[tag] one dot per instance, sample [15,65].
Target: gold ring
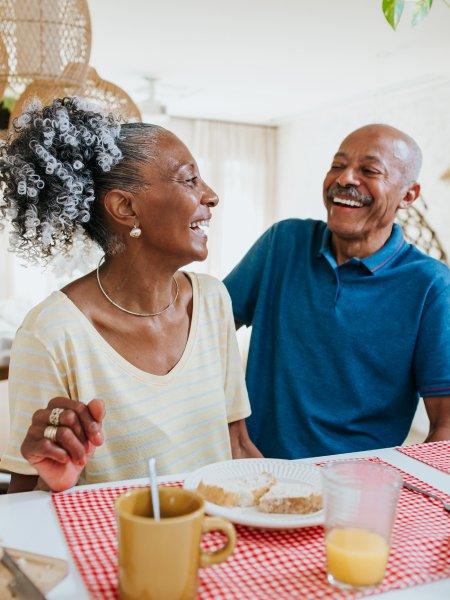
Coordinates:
[54,416]
[50,432]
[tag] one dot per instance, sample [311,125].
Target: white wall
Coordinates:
[307,143]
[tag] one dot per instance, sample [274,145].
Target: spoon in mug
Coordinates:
[154,488]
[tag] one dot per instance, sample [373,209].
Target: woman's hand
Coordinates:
[60,462]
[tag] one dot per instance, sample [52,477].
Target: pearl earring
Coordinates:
[136,231]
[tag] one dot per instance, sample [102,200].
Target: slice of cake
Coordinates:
[291,498]
[243,491]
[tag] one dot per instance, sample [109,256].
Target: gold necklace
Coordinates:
[130,312]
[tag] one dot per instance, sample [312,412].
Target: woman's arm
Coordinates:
[241,444]
[22,483]
[30,454]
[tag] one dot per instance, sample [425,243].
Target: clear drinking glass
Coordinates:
[360,500]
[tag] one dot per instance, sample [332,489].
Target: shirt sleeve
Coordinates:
[237,402]
[243,283]
[34,378]
[432,353]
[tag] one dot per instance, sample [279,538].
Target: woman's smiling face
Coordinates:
[174,205]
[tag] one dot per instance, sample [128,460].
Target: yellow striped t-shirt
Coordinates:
[180,418]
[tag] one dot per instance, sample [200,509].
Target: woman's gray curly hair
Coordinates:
[60,160]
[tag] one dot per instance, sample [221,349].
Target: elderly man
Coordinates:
[351,324]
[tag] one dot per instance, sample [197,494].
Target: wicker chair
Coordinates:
[418,232]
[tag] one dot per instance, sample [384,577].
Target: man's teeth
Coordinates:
[203,225]
[347,202]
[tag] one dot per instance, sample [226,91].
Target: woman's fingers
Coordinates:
[34,452]
[91,427]
[78,431]
[67,418]
[60,460]
[65,438]
[97,409]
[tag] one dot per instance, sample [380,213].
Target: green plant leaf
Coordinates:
[421,9]
[8,102]
[393,10]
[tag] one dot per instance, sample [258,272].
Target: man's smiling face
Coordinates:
[368,181]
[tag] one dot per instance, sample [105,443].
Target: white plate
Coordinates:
[285,471]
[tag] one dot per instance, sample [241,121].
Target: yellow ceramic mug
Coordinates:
[160,560]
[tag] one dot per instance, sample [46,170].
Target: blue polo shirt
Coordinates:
[339,354]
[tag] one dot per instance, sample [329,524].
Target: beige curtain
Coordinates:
[238,162]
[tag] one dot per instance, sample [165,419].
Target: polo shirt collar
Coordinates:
[375,261]
[325,248]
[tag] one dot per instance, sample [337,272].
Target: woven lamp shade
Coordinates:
[41,37]
[3,61]
[109,97]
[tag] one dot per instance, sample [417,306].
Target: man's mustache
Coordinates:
[348,192]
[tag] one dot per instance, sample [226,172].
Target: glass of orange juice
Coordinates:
[360,500]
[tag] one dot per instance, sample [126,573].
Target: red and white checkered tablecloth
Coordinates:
[266,564]
[434,454]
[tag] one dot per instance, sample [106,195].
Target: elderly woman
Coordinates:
[139,359]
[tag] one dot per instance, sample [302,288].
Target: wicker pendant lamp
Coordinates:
[108,96]
[3,62]
[41,37]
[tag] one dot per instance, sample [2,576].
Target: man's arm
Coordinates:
[432,357]
[243,283]
[438,410]
[241,444]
